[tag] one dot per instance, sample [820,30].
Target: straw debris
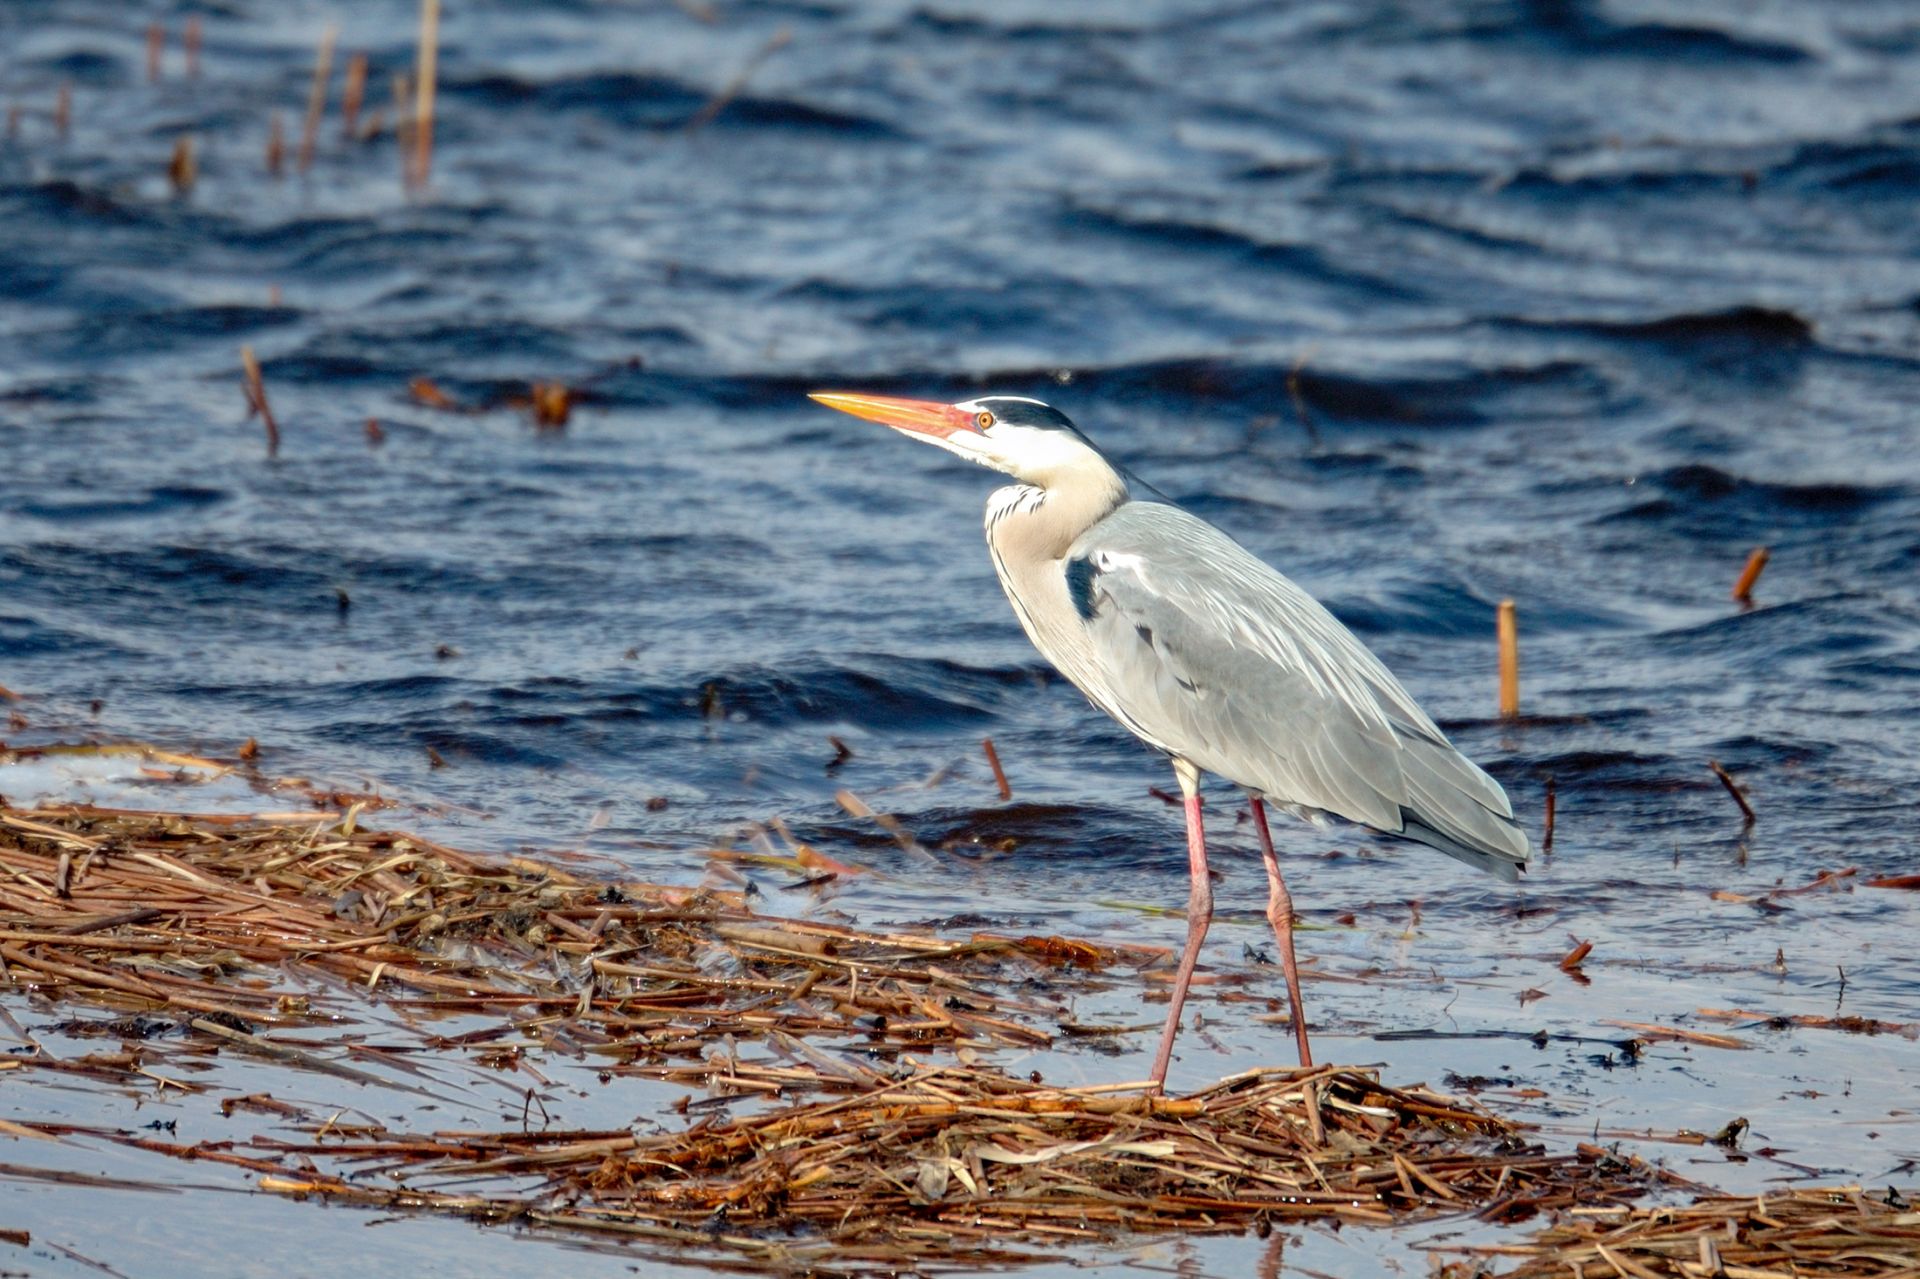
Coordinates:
[1839,1232]
[862,1128]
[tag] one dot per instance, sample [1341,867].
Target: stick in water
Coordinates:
[1743,589]
[352,95]
[257,399]
[1508,629]
[183,170]
[424,75]
[317,96]
[719,101]
[1733,789]
[999,774]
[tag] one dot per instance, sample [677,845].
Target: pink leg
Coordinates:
[1199,915]
[1280,915]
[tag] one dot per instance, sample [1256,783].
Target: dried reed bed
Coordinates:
[961,1165]
[1829,1233]
[207,914]
[849,1121]
[214,920]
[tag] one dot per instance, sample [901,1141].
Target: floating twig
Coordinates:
[156,44]
[317,96]
[858,807]
[1756,561]
[1676,1034]
[352,94]
[190,43]
[1733,789]
[256,388]
[183,169]
[999,774]
[721,100]
[427,393]
[63,111]
[1507,629]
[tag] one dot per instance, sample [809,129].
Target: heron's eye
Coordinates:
[983,419]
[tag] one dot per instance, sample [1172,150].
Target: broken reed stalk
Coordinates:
[1750,575]
[999,773]
[1507,628]
[156,44]
[276,145]
[1733,789]
[352,94]
[63,111]
[719,101]
[317,96]
[190,42]
[552,404]
[426,70]
[256,389]
[183,169]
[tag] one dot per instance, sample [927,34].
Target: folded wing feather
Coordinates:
[1208,653]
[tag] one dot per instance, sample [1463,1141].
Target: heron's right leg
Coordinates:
[1199,914]
[1280,915]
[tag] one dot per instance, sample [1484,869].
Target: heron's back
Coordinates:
[1201,649]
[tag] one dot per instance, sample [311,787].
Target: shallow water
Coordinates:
[1429,306]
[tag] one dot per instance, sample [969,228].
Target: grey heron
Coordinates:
[1204,652]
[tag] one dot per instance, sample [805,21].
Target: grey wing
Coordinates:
[1205,651]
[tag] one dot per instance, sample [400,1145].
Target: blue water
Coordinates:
[1430,305]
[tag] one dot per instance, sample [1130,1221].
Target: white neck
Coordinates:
[1034,523]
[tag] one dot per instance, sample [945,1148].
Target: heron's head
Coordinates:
[1031,441]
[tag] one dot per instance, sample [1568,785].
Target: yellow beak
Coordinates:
[915,417]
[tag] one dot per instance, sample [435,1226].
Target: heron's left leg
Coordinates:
[1280,915]
[1199,914]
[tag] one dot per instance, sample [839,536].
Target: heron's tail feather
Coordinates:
[1455,807]
[1506,865]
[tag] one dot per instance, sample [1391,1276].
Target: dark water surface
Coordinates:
[1429,305]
